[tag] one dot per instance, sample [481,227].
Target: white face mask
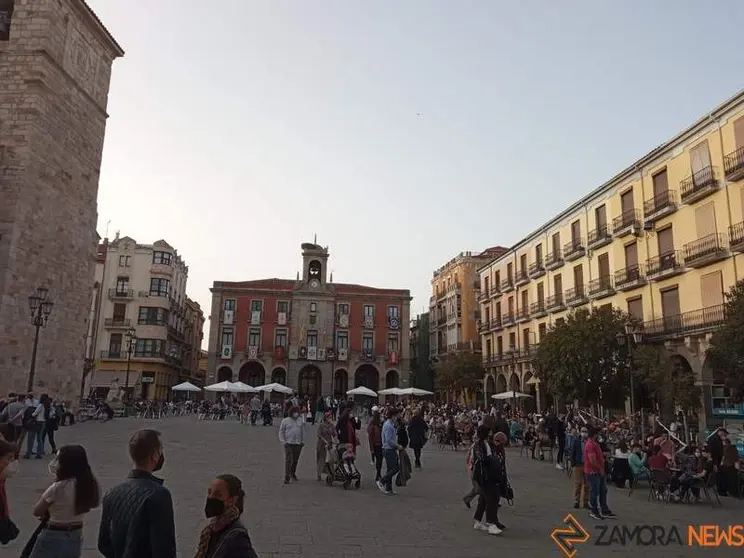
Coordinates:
[53,467]
[295,415]
[11,469]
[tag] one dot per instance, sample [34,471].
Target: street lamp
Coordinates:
[633,336]
[131,339]
[40,309]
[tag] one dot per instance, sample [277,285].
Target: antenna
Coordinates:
[107,227]
[315,239]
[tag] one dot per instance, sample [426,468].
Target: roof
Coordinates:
[623,175]
[275,283]
[102,28]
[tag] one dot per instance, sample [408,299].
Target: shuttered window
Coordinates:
[576,230]
[631,255]
[670,302]
[603,263]
[705,220]
[666,241]
[578,274]
[699,157]
[739,132]
[635,307]
[711,289]
[540,292]
[600,217]
[626,201]
[661,183]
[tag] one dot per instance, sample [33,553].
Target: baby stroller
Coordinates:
[343,469]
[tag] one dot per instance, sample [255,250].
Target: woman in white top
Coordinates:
[65,503]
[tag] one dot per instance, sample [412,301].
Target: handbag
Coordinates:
[8,529]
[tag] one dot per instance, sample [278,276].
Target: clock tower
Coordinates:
[314,265]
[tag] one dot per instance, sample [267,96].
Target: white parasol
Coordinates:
[240,387]
[416,392]
[222,386]
[186,386]
[361,390]
[279,388]
[510,395]
[391,391]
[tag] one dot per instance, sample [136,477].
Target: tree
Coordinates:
[666,379]
[726,352]
[460,373]
[581,358]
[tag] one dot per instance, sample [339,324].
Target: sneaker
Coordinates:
[381,487]
[500,526]
[559,466]
[494,530]
[480,526]
[609,515]
[597,516]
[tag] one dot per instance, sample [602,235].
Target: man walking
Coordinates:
[390,449]
[291,435]
[255,408]
[578,480]
[594,467]
[137,516]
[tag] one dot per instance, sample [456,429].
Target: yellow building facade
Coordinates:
[662,240]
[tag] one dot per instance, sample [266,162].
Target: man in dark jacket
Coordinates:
[137,516]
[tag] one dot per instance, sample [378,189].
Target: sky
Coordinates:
[399,132]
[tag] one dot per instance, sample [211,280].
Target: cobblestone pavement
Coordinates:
[308,519]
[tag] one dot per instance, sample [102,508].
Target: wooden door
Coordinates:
[711,289]
[600,218]
[635,307]
[540,293]
[558,287]
[556,243]
[626,202]
[661,185]
[578,274]
[665,239]
[631,255]
[670,309]
[538,253]
[575,231]
[603,265]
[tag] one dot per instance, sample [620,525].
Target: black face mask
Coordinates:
[214,507]
[160,462]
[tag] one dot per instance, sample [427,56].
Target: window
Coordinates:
[392,342]
[125,261]
[149,348]
[280,338]
[512,341]
[122,285]
[120,312]
[393,312]
[368,341]
[312,338]
[115,345]
[282,306]
[313,319]
[313,307]
[159,287]
[230,304]
[163,258]
[369,310]
[254,337]
[499,346]
[542,331]
[256,305]
[635,307]
[152,316]
[227,337]
[342,340]
[343,308]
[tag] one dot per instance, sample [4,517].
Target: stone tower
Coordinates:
[55,68]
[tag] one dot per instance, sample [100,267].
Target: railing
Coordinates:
[484,295]
[736,234]
[665,262]
[696,182]
[523,313]
[599,234]
[626,219]
[629,275]
[110,355]
[536,268]
[686,323]
[521,276]
[121,293]
[570,248]
[554,257]
[707,246]
[600,285]
[733,163]
[507,318]
[483,327]
[495,322]
[442,320]
[175,333]
[576,294]
[537,307]
[659,202]
[117,322]
[554,301]
[507,284]
[472,346]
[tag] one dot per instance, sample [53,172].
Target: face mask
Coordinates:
[214,507]
[160,463]
[295,415]
[11,469]
[585,435]
[53,467]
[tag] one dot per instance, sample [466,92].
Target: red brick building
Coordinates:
[313,335]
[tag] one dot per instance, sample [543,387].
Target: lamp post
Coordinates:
[40,309]
[131,339]
[633,336]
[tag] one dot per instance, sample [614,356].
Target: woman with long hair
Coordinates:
[488,467]
[64,504]
[225,536]
[374,435]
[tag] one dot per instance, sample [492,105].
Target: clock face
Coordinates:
[315,283]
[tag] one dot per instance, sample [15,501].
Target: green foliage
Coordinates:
[726,352]
[666,378]
[460,373]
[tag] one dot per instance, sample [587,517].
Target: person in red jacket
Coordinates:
[594,469]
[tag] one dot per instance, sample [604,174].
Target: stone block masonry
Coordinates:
[54,80]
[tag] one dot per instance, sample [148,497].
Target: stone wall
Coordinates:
[54,80]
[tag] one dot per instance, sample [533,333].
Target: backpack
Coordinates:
[29,422]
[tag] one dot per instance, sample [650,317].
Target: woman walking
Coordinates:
[487,474]
[417,430]
[64,505]
[324,444]
[374,435]
[225,536]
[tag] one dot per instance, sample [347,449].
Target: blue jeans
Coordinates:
[58,544]
[598,493]
[391,467]
[33,439]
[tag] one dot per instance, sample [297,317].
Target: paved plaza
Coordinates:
[308,519]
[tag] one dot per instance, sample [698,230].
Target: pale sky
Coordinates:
[400,132]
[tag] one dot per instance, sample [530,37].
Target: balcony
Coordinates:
[484,295]
[173,332]
[523,315]
[576,296]
[666,265]
[442,320]
[507,319]
[599,237]
[554,260]
[736,237]
[629,221]
[496,324]
[507,285]
[601,287]
[538,309]
[705,251]
[699,185]
[121,294]
[441,295]
[114,355]
[660,205]
[537,269]
[733,165]
[630,278]
[522,278]
[687,323]
[483,327]
[555,303]
[117,323]
[496,291]
[574,250]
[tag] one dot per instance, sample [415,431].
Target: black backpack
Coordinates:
[29,422]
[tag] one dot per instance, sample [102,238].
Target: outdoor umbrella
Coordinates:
[361,390]
[222,386]
[186,386]
[509,395]
[279,388]
[416,392]
[391,391]
[240,387]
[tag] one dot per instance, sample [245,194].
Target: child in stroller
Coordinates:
[343,469]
